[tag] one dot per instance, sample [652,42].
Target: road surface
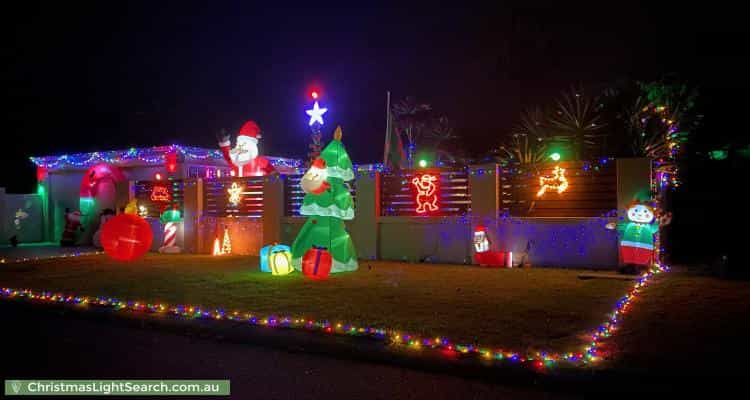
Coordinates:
[49,345]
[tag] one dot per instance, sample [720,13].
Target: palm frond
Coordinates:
[577,122]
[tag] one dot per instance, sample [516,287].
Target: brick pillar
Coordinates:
[273,208]
[364,227]
[193,209]
[485,203]
[483,186]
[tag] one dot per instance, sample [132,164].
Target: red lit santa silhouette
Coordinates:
[426,193]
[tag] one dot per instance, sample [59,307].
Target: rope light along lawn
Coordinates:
[538,360]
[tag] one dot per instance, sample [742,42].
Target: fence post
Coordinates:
[484,190]
[364,228]
[273,208]
[192,207]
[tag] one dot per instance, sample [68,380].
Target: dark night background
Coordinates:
[84,76]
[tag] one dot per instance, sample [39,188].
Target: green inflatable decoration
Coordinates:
[328,203]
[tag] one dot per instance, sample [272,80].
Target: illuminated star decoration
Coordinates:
[557,182]
[316,114]
[234,193]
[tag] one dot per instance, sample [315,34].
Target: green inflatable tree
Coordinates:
[328,203]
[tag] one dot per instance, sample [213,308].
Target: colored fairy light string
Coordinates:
[537,360]
[147,155]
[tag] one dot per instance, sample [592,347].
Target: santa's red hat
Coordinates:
[480,228]
[319,163]
[251,130]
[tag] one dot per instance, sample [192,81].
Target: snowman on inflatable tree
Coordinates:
[327,203]
[244,158]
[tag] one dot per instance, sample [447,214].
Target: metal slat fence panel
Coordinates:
[159,196]
[233,197]
[401,197]
[591,190]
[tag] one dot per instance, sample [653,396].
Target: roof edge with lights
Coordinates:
[144,157]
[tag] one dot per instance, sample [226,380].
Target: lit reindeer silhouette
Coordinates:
[426,189]
[556,182]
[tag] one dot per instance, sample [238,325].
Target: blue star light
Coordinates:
[316,114]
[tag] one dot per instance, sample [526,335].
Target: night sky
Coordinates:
[108,75]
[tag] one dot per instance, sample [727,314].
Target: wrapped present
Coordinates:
[267,251]
[280,261]
[316,263]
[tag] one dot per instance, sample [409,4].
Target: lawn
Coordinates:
[685,324]
[514,309]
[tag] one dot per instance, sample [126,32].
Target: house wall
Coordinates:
[30,228]
[63,190]
[559,242]
[572,242]
[425,239]
[246,234]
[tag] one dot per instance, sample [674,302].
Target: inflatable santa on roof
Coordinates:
[244,157]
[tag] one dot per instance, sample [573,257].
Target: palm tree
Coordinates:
[441,131]
[529,138]
[653,119]
[576,122]
[410,120]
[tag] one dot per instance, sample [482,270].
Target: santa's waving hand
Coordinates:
[243,158]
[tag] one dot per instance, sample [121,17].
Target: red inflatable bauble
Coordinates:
[126,237]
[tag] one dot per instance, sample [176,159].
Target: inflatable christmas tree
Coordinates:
[327,204]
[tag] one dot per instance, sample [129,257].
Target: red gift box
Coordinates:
[316,263]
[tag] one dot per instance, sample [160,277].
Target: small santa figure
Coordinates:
[481,242]
[244,157]
[72,225]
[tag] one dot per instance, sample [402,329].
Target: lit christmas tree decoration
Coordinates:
[327,203]
[226,243]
